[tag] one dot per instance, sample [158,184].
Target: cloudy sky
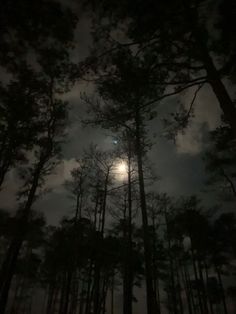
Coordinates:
[179,165]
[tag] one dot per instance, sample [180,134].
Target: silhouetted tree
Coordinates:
[172,37]
[49,123]
[219,161]
[121,108]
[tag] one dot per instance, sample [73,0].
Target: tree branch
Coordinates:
[229,181]
[193,100]
[177,91]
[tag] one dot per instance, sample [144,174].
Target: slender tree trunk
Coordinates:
[81,302]
[74,296]
[197,283]
[104,202]
[155,271]
[77,206]
[128,276]
[112,294]
[8,271]
[146,238]
[125,260]
[181,307]
[63,292]
[30,302]
[209,297]
[67,291]
[51,292]
[186,287]
[9,264]
[204,295]
[88,293]
[16,293]
[222,291]
[100,234]
[4,168]
[194,307]
[55,300]
[104,296]
[171,266]
[129,290]
[6,151]
[96,288]
[22,296]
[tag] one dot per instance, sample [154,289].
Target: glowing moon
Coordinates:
[121,170]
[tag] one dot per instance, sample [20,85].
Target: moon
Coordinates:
[122,167]
[121,170]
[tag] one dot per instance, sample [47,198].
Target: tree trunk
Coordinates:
[9,264]
[226,103]
[81,302]
[179,288]
[74,296]
[18,283]
[197,282]
[51,292]
[128,275]
[104,202]
[204,294]
[55,300]
[209,297]
[171,267]
[213,76]
[112,294]
[155,265]
[100,235]
[63,292]
[67,292]
[186,287]
[222,291]
[8,270]
[97,279]
[194,307]
[88,293]
[151,308]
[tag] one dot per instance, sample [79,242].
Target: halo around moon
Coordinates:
[121,170]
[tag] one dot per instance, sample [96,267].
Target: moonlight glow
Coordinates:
[121,170]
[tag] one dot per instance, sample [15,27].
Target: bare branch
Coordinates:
[177,91]
[193,100]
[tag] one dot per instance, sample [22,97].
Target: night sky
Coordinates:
[179,166]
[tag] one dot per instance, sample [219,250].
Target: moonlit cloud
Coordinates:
[61,173]
[190,142]
[206,117]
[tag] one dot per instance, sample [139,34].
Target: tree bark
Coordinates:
[8,270]
[218,87]
[171,266]
[128,275]
[222,291]
[65,306]
[186,287]
[9,264]
[197,282]
[112,294]
[213,75]
[151,308]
